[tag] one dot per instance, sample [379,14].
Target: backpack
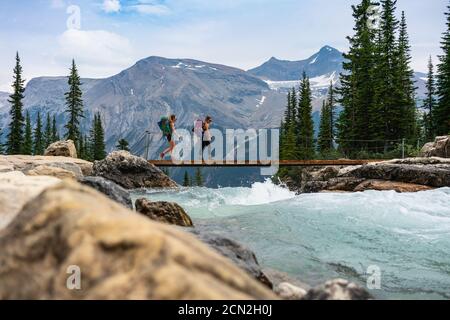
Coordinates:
[164,125]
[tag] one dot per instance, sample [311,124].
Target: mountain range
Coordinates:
[134,100]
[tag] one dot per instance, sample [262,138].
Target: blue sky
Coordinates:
[114,34]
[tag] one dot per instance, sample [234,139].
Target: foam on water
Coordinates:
[316,237]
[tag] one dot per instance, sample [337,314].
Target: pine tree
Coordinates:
[357,92]
[198,178]
[405,93]
[74,105]
[38,137]
[15,136]
[305,121]
[442,114]
[28,138]
[48,132]
[391,112]
[123,144]
[97,139]
[325,134]
[55,134]
[429,104]
[331,105]
[186,181]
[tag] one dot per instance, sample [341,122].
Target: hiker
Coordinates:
[198,137]
[207,138]
[167,126]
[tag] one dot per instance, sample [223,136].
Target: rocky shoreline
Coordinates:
[401,175]
[51,220]
[58,211]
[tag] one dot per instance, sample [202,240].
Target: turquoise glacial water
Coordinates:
[316,237]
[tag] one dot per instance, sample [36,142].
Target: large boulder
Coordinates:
[62,149]
[236,252]
[439,148]
[401,175]
[16,189]
[165,212]
[72,232]
[110,189]
[42,165]
[338,289]
[59,173]
[131,172]
[426,175]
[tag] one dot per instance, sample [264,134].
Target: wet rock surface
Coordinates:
[110,189]
[165,212]
[131,172]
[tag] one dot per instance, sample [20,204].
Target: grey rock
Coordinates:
[416,174]
[166,212]
[131,172]
[110,189]
[338,289]
[236,252]
[439,148]
[288,291]
[62,149]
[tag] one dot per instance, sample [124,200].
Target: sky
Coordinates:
[107,36]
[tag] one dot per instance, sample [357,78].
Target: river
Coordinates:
[316,237]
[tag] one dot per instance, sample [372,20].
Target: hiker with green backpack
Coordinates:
[167,126]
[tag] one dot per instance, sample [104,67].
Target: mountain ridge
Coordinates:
[325,61]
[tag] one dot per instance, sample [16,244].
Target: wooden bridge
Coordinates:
[281,163]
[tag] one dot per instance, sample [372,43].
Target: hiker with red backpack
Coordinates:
[167,126]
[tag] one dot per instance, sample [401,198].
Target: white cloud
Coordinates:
[99,53]
[151,9]
[111,6]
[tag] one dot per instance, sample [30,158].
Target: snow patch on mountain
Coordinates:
[320,82]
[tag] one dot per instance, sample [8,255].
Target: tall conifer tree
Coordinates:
[55,134]
[38,137]
[97,139]
[357,92]
[325,134]
[199,178]
[48,132]
[305,121]
[429,104]
[442,114]
[405,87]
[28,138]
[74,105]
[186,180]
[15,136]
